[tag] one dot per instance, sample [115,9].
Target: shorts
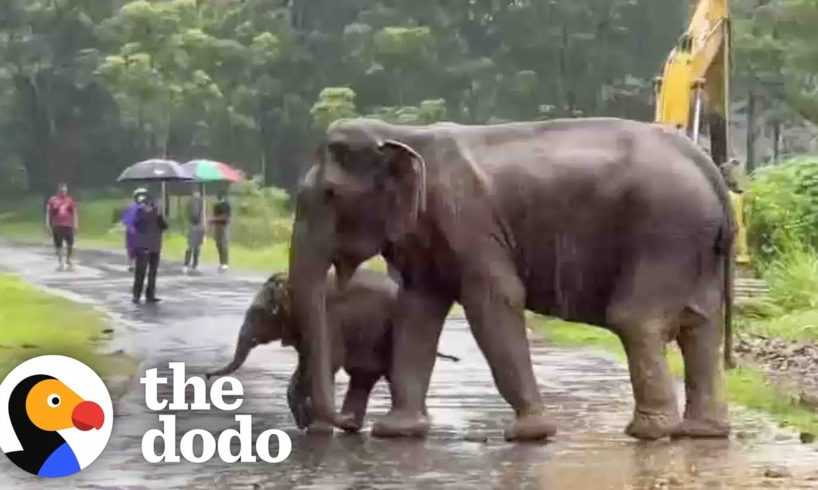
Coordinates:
[63,234]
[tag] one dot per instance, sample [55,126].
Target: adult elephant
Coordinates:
[616,223]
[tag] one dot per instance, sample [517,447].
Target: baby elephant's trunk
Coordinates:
[245,344]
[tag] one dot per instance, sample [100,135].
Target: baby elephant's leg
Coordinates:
[352,414]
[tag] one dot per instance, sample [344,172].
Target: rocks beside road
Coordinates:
[791,364]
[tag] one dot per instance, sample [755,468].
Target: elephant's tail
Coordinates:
[726,248]
[448,357]
[729,273]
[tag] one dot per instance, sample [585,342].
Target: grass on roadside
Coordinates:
[744,386]
[24,221]
[800,326]
[36,323]
[791,310]
[25,218]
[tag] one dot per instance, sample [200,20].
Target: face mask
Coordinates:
[140,199]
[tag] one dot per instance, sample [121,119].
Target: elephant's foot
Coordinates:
[652,426]
[349,422]
[401,424]
[531,427]
[702,429]
[319,427]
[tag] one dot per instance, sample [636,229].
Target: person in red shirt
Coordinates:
[62,218]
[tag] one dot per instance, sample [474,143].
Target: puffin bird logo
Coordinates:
[39,407]
[56,416]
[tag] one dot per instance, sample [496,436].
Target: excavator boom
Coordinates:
[695,79]
[694,89]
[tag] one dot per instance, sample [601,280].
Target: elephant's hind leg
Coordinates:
[705,410]
[353,411]
[656,414]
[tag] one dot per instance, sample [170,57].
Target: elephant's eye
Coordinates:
[338,153]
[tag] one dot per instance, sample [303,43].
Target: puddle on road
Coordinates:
[589,395]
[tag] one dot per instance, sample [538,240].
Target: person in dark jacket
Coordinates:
[149,225]
[221,229]
[128,220]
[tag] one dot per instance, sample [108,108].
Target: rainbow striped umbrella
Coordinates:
[211,171]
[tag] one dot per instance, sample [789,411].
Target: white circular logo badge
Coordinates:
[56,416]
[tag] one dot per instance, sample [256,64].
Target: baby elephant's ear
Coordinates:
[279,295]
[280,303]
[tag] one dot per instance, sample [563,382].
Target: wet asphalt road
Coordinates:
[588,393]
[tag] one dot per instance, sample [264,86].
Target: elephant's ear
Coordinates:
[407,188]
[277,302]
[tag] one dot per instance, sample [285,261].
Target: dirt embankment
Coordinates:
[793,365]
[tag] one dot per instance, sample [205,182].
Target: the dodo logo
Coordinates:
[55,416]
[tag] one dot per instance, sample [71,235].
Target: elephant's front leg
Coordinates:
[416,330]
[656,414]
[494,300]
[351,418]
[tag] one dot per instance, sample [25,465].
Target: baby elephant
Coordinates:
[361,313]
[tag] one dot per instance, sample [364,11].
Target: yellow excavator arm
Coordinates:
[694,88]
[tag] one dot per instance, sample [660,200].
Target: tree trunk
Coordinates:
[751,129]
[36,151]
[563,82]
[776,140]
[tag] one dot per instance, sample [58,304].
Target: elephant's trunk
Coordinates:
[310,258]
[245,343]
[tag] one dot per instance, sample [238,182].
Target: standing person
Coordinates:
[221,229]
[62,218]
[129,221]
[149,225]
[195,232]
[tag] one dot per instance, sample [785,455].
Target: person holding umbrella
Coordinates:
[209,171]
[196,231]
[129,221]
[221,229]
[149,225]
[149,221]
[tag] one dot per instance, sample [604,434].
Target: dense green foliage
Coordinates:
[261,215]
[89,86]
[782,209]
[782,219]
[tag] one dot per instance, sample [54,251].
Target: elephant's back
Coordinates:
[576,201]
[570,166]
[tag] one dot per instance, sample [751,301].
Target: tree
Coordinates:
[333,103]
[93,85]
[48,52]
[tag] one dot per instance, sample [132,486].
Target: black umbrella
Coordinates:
[156,169]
